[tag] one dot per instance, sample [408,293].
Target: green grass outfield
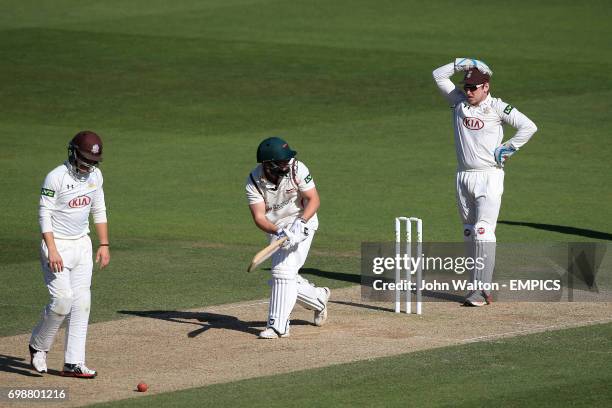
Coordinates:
[563,368]
[182,92]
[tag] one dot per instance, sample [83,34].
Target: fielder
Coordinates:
[481,155]
[284,201]
[69,194]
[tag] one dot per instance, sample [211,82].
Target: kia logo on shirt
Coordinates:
[78,202]
[473,123]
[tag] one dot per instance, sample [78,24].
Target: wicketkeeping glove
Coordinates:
[464,64]
[503,152]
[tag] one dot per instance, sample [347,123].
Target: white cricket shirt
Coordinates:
[479,129]
[284,202]
[66,202]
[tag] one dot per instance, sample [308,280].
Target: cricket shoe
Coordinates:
[270,333]
[38,360]
[320,317]
[474,303]
[78,370]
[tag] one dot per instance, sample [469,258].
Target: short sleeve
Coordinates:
[253,193]
[304,178]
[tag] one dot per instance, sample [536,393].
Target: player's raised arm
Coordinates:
[447,88]
[443,74]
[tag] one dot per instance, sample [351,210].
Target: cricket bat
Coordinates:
[265,253]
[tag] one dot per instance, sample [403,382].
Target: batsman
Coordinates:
[284,201]
[478,120]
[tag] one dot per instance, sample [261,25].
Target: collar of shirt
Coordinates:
[270,185]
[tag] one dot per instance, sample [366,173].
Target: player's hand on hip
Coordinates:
[464,64]
[502,153]
[300,229]
[103,256]
[56,263]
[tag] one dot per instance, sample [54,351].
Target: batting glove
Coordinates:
[464,64]
[299,229]
[503,152]
[292,239]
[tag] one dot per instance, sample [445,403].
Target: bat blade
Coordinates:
[265,253]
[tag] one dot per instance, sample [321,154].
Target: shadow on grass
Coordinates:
[205,320]
[563,229]
[338,276]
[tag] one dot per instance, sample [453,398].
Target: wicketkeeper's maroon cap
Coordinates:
[475,77]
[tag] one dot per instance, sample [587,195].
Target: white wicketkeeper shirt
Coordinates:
[479,129]
[66,202]
[284,203]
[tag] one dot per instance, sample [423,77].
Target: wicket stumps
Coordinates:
[419,269]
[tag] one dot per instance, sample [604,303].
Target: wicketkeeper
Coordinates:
[481,155]
[70,193]
[284,201]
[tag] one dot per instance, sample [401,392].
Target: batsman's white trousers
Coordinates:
[70,297]
[289,287]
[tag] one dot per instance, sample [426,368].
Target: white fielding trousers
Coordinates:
[70,297]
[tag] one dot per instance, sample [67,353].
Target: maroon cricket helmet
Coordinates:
[88,145]
[475,77]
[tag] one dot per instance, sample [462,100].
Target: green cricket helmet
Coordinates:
[274,149]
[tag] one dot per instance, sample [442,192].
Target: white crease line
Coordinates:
[536,330]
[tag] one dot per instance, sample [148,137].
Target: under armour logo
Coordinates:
[69,186]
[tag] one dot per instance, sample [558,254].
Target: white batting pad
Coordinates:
[282,300]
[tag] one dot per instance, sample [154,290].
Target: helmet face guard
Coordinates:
[79,162]
[278,168]
[84,153]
